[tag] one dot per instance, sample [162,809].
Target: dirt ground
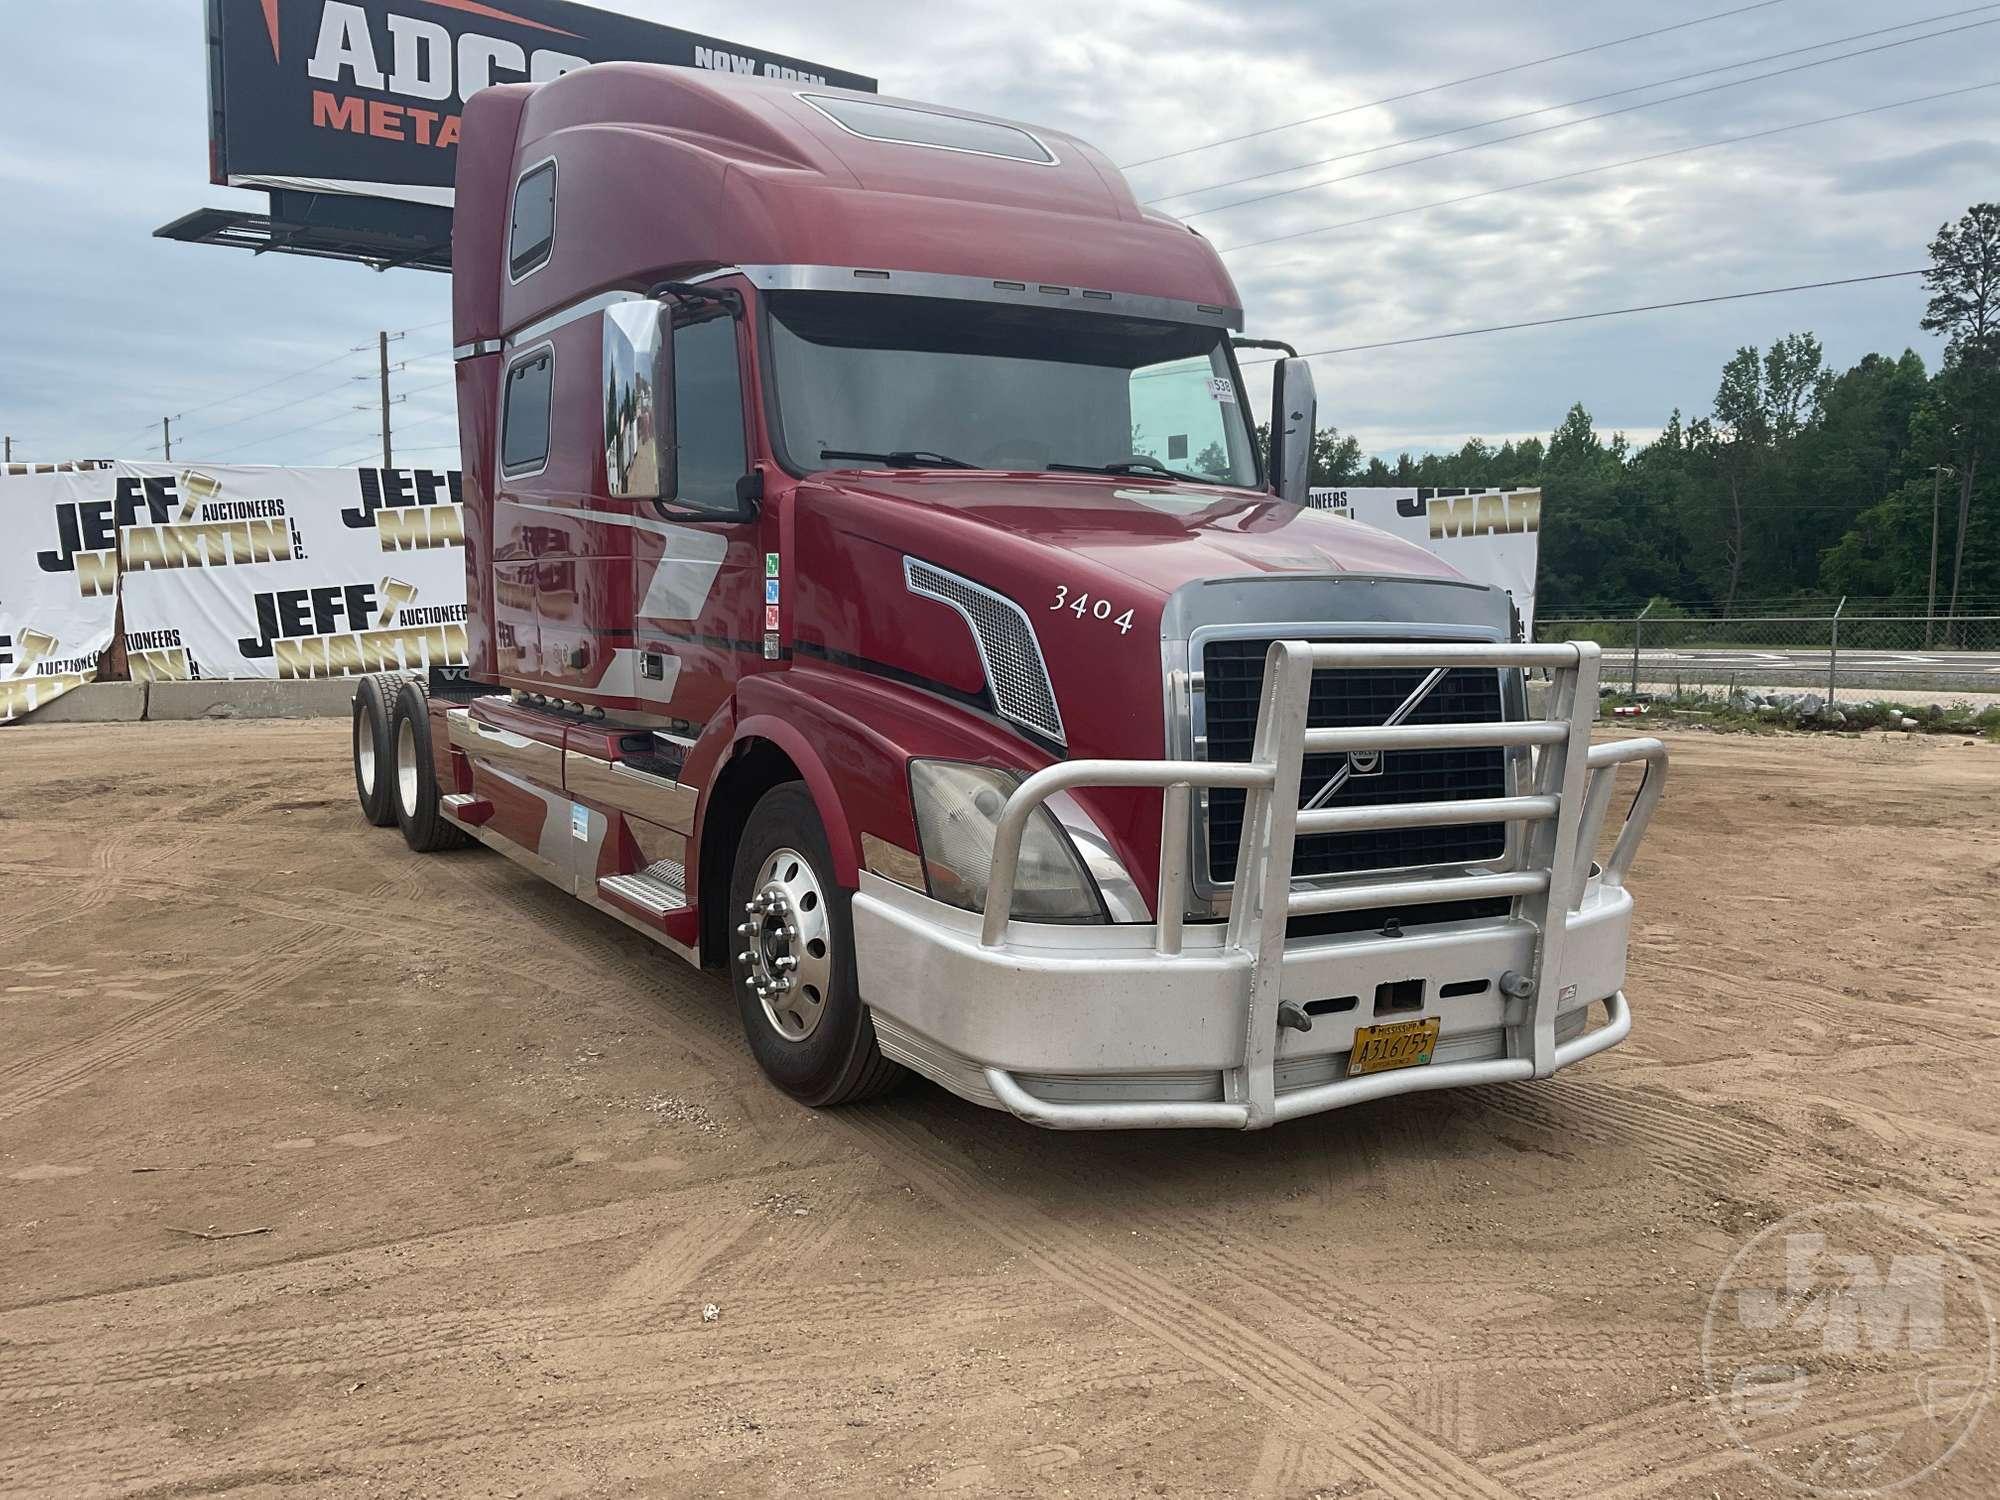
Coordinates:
[507,1154]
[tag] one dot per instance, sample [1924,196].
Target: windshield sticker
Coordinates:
[1222,388]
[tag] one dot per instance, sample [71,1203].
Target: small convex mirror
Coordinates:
[638,402]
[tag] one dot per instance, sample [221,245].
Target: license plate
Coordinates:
[1400,1044]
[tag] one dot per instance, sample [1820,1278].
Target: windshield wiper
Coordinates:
[1130,466]
[901,458]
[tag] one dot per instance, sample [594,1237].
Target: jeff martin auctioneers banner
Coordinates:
[227,571]
[1491,536]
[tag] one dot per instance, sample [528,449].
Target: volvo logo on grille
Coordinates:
[1369,762]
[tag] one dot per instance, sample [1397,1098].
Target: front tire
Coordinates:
[792,959]
[373,756]
[414,782]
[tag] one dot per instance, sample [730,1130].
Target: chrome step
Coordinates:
[660,888]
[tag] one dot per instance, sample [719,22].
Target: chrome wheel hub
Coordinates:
[364,751]
[787,945]
[406,766]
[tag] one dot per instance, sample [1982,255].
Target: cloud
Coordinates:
[108,328]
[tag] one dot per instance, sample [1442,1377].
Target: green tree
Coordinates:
[1964,310]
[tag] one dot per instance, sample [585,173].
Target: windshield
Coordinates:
[918,382]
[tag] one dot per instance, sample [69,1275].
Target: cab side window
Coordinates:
[708,412]
[531,237]
[524,422]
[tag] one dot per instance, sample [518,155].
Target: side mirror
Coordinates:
[641,451]
[1294,418]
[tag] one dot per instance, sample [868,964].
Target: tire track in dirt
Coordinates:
[36,1079]
[323,1271]
[71,1367]
[113,866]
[1219,1248]
[576,1379]
[1676,1135]
[1662,1446]
[1382,1449]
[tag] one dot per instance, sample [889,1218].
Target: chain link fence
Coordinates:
[1837,656]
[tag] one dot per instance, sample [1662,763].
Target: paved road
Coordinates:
[1738,659]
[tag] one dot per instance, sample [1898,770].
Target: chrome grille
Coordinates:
[1015,671]
[1233,674]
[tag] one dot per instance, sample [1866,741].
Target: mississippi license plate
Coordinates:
[1400,1044]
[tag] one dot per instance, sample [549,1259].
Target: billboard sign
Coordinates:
[363,96]
[1491,536]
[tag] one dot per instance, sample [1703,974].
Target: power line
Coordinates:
[256,389]
[1573,104]
[266,411]
[274,437]
[294,375]
[1615,312]
[1515,187]
[1637,36]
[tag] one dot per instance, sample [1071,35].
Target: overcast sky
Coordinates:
[103,138]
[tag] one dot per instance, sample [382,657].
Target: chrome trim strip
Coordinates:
[639,793]
[1027,292]
[505,749]
[892,862]
[562,317]
[477,348]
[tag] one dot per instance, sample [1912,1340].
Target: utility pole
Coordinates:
[10,451]
[1930,609]
[167,439]
[382,348]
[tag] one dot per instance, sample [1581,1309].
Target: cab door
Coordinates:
[698,571]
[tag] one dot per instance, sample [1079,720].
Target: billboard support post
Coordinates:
[382,348]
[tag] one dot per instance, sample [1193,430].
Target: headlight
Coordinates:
[958,813]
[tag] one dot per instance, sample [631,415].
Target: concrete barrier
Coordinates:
[95,703]
[315,698]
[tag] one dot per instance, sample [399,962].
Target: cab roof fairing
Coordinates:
[666,172]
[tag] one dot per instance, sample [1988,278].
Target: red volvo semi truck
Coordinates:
[876,589]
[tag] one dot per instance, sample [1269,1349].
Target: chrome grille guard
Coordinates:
[1572,786]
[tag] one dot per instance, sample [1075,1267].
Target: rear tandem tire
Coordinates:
[413,778]
[373,758]
[816,1040]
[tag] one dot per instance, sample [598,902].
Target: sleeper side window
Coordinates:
[524,423]
[532,235]
[708,413]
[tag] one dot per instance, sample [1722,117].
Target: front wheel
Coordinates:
[792,959]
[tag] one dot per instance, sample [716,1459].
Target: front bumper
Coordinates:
[1171,1025]
[1083,1028]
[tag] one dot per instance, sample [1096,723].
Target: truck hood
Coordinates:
[1157,534]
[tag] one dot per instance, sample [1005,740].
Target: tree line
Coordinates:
[1801,484]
